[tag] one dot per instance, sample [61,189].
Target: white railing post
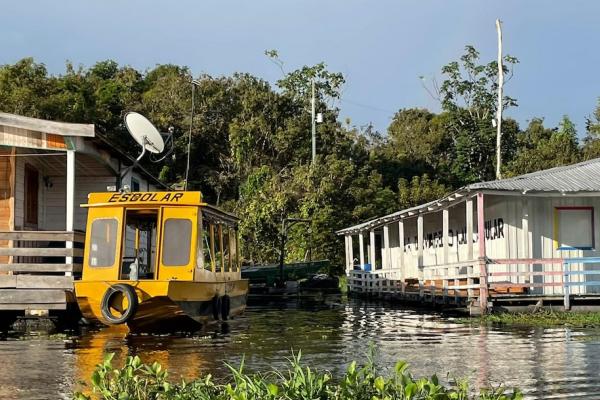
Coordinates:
[70,202]
[566,289]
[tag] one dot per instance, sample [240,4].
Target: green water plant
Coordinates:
[541,318]
[139,381]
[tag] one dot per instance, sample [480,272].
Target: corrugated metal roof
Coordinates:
[575,178]
[581,177]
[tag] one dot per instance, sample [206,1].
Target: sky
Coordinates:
[381,46]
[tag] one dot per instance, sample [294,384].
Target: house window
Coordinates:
[574,228]
[135,185]
[31,195]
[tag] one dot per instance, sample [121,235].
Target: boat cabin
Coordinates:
[160,236]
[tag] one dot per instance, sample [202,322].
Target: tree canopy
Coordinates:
[251,142]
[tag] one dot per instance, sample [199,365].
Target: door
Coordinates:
[31,196]
[178,243]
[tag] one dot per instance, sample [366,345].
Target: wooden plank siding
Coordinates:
[6,196]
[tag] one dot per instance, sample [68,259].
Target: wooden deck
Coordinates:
[479,287]
[40,269]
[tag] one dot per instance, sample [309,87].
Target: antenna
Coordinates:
[147,136]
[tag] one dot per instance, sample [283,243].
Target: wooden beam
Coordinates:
[386,251]
[44,282]
[47,236]
[401,239]
[351,252]
[33,306]
[480,225]
[27,296]
[372,253]
[445,228]
[42,125]
[469,219]
[361,243]
[41,252]
[8,281]
[420,240]
[32,267]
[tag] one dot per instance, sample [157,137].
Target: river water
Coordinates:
[544,363]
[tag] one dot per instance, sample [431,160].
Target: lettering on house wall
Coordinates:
[494,229]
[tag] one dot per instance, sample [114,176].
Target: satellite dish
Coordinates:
[144,132]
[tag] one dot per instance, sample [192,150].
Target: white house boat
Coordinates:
[538,244]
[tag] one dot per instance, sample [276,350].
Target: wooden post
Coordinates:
[361,243]
[483,278]
[385,252]
[420,254]
[566,289]
[350,253]
[372,252]
[499,111]
[70,210]
[401,240]
[347,254]
[445,228]
[525,238]
[469,219]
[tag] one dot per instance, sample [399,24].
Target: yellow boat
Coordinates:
[159,261]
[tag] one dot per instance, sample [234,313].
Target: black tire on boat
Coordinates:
[132,301]
[225,307]
[216,307]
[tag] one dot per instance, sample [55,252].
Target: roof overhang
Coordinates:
[45,126]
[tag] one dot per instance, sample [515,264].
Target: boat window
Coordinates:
[218,245]
[226,250]
[103,242]
[177,237]
[139,246]
[234,250]
[206,245]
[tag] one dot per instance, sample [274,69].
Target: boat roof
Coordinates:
[156,199]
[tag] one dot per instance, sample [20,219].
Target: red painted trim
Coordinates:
[481,224]
[527,261]
[575,208]
[526,273]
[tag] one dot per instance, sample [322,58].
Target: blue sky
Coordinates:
[381,46]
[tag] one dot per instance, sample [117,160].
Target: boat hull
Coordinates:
[167,305]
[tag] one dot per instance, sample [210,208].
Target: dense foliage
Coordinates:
[137,381]
[251,142]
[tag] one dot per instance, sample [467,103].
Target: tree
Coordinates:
[542,148]
[468,98]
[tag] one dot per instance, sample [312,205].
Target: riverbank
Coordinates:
[139,381]
[543,318]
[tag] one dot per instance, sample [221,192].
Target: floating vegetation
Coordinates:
[139,381]
[542,318]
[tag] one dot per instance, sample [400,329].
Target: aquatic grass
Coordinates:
[139,381]
[542,318]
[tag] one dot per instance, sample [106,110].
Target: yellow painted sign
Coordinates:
[144,198]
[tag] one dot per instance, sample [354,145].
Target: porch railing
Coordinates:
[489,279]
[37,268]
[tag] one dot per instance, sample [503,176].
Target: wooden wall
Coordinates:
[6,195]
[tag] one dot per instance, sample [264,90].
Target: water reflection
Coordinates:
[545,363]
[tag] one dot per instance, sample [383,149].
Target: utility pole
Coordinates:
[499,112]
[313,122]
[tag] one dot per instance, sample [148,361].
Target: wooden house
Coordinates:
[504,243]
[47,169]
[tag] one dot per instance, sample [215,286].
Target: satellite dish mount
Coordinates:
[147,136]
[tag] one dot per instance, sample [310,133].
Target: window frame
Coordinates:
[189,242]
[557,239]
[116,254]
